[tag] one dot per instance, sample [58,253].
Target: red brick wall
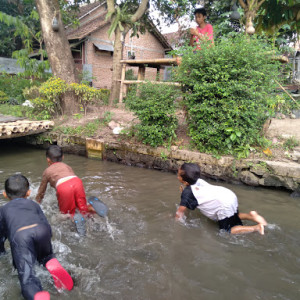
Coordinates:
[146,46]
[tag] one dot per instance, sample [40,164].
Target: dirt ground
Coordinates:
[278,131]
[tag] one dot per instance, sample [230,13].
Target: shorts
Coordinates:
[27,247]
[71,196]
[227,223]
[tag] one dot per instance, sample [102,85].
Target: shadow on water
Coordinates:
[140,252]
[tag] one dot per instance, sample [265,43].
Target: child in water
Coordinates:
[69,188]
[203,31]
[215,202]
[29,233]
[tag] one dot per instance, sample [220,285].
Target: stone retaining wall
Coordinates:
[260,172]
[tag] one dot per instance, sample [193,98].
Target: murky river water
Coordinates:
[140,252]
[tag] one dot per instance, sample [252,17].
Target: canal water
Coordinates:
[141,252]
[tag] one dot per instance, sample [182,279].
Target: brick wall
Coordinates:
[145,47]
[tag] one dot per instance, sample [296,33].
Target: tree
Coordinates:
[274,14]
[58,49]
[10,39]
[25,24]
[134,15]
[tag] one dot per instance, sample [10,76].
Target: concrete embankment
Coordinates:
[254,172]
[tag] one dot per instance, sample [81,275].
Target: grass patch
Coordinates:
[16,110]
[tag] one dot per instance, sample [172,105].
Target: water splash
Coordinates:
[110,228]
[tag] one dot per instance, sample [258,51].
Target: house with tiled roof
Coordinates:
[93,49]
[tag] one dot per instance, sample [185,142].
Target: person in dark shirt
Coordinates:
[215,202]
[24,224]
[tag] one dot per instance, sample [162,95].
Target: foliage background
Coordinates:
[154,105]
[229,89]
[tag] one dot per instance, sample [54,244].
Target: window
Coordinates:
[131,54]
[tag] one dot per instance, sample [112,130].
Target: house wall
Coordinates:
[146,46]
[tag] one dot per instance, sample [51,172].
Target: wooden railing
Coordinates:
[142,64]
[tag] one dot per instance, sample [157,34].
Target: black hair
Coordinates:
[16,186]
[201,11]
[54,153]
[190,173]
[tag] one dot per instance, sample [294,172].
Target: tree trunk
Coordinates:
[117,68]
[58,50]
[119,45]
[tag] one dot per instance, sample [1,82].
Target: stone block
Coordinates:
[94,148]
[249,178]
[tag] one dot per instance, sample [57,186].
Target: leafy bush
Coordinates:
[129,75]
[31,93]
[154,105]
[16,110]
[3,97]
[290,143]
[88,95]
[47,98]
[52,90]
[88,129]
[13,86]
[227,90]
[43,109]
[281,102]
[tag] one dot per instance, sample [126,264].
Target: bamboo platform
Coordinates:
[142,64]
[12,127]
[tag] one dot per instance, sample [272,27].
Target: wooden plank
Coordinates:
[122,83]
[153,62]
[156,82]
[142,64]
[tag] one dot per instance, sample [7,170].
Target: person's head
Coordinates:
[200,15]
[16,186]
[188,173]
[54,154]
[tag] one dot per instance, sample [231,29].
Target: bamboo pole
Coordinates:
[287,92]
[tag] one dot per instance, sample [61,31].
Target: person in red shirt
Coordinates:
[203,31]
[69,188]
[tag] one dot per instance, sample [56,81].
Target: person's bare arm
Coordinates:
[195,32]
[191,40]
[42,189]
[180,212]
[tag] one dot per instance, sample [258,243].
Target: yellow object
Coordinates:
[267,152]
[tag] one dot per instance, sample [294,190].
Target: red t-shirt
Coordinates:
[207,31]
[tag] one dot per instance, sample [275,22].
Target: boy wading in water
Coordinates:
[69,188]
[203,31]
[215,202]
[29,233]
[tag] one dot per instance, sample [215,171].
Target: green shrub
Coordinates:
[16,110]
[31,93]
[129,75]
[3,97]
[88,95]
[154,105]
[290,143]
[44,109]
[88,129]
[52,90]
[47,98]
[13,86]
[227,89]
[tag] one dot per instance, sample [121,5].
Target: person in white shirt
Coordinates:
[215,202]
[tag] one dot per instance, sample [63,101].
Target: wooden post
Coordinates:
[141,73]
[122,82]
[157,74]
